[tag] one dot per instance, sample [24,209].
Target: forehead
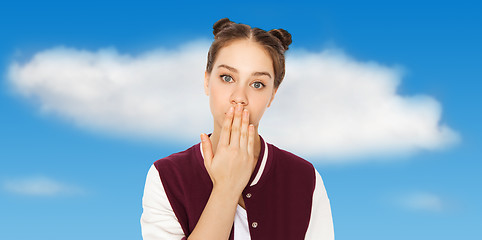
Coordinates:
[246,56]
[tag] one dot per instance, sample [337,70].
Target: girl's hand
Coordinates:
[231,168]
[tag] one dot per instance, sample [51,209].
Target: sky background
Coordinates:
[69,170]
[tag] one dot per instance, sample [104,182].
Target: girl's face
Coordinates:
[242,73]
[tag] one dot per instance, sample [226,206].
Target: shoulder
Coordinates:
[185,167]
[290,159]
[293,167]
[179,160]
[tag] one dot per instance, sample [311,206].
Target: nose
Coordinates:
[239,96]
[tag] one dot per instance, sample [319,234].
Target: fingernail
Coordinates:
[245,112]
[231,109]
[205,138]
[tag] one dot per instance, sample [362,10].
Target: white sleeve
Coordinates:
[158,220]
[321,222]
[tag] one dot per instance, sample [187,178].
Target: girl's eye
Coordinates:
[258,85]
[227,78]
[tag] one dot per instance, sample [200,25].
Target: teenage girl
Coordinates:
[233,184]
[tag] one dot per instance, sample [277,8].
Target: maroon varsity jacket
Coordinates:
[278,206]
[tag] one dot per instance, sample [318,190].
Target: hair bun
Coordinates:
[283,35]
[220,25]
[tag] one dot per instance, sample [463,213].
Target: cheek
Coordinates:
[218,101]
[258,106]
[256,116]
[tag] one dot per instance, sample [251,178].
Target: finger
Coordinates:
[251,141]
[243,140]
[236,127]
[207,150]
[226,129]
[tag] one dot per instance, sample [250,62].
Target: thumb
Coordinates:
[207,150]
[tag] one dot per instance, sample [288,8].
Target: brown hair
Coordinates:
[275,42]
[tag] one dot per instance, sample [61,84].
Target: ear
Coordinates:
[206,83]
[272,96]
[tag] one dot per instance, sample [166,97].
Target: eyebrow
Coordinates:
[236,71]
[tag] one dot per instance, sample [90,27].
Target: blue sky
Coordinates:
[90,176]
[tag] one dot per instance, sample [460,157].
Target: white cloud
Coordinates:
[39,186]
[329,105]
[423,201]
